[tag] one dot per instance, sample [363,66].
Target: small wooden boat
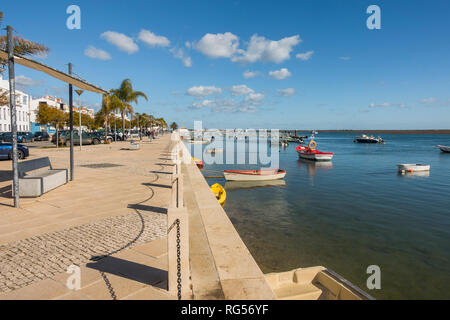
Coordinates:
[254,175]
[220,193]
[413,167]
[314,283]
[198,162]
[444,148]
[310,153]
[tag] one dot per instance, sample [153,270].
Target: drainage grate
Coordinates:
[101,165]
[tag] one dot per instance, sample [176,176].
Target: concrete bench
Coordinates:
[37,177]
[134,145]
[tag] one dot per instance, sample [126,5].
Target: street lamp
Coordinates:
[79,92]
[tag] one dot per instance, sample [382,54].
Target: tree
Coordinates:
[127,95]
[110,103]
[21,46]
[174,126]
[53,116]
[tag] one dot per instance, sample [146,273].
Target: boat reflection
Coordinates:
[415,174]
[237,185]
[312,166]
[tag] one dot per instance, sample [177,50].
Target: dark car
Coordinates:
[6,151]
[64,138]
[41,136]
[22,137]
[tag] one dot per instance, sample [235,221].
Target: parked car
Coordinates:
[98,135]
[6,151]
[21,137]
[41,136]
[64,138]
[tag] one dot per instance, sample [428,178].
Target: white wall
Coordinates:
[22,107]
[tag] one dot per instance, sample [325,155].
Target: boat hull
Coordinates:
[248,176]
[316,156]
[444,148]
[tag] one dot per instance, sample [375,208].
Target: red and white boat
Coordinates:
[254,175]
[310,153]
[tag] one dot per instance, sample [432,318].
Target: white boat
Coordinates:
[368,139]
[254,175]
[413,167]
[444,148]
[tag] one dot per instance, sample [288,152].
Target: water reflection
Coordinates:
[414,174]
[237,185]
[313,166]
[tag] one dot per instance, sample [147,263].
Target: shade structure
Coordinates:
[79,83]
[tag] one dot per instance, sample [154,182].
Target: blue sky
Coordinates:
[308,64]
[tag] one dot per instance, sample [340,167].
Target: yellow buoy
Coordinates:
[220,193]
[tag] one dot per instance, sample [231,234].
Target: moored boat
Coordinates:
[368,139]
[254,175]
[220,193]
[198,162]
[213,150]
[444,148]
[413,167]
[310,153]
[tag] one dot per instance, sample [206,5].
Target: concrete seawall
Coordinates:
[221,266]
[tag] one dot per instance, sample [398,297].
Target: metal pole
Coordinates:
[71,124]
[80,132]
[12,103]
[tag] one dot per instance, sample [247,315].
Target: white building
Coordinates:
[22,108]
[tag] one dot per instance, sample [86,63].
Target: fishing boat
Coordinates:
[199,141]
[368,139]
[444,148]
[310,153]
[413,167]
[295,139]
[220,193]
[198,162]
[254,175]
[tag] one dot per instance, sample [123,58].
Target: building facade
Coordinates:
[22,107]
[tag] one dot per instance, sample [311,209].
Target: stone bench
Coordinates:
[37,177]
[134,145]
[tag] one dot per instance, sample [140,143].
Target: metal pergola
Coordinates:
[68,78]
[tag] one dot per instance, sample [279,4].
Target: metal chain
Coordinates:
[178,259]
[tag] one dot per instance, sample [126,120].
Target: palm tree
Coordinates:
[110,103]
[22,47]
[174,126]
[127,95]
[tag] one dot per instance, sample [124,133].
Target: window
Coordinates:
[24,99]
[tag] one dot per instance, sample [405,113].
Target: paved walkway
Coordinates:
[110,221]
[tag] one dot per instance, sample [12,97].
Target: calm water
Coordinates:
[353,212]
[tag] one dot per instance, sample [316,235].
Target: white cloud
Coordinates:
[249,74]
[305,56]
[288,92]
[180,54]
[254,97]
[240,90]
[428,100]
[95,53]
[262,49]
[201,91]
[345,58]
[26,81]
[281,74]
[121,41]
[383,105]
[220,45]
[152,39]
